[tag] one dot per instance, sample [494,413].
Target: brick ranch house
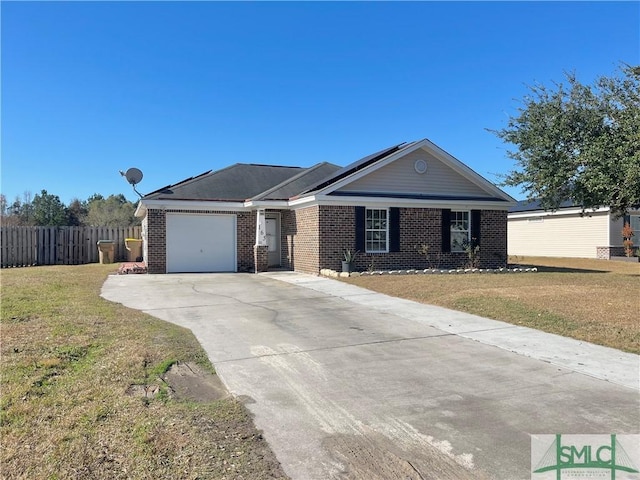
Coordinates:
[250,218]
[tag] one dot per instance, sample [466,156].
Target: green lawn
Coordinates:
[68,359]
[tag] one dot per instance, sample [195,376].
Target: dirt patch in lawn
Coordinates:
[183,381]
[187,381]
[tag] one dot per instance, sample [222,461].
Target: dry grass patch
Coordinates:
[68,359]
[592,300]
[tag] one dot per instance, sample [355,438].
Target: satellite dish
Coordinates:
[133,176]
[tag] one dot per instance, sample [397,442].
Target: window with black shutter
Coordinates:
[377,230]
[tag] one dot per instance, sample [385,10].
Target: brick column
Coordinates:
[261,257]
[156,241]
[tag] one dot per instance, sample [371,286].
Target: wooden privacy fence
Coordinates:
[25,246]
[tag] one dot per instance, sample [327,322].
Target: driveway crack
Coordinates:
[337,347]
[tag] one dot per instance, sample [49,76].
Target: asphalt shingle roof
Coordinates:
[295,185]
[241,181]
[533,205]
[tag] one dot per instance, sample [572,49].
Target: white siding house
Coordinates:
[533,231]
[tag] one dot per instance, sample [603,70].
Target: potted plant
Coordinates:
[349,260]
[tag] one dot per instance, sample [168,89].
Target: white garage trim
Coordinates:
[201,242]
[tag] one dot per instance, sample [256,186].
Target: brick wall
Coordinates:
[418,226]
[314,238]
[246,239]
[300,240]
[493,239]
[337,233]
[156,241]
[261,258]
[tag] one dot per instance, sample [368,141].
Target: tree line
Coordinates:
[46,209]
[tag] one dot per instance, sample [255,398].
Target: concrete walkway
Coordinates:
[583,357]
[347,383]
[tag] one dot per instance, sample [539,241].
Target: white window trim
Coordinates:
[367,209]
[454,248]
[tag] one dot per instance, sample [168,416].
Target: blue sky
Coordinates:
[179,88]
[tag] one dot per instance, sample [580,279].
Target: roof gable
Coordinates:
[402,177]
[394,173]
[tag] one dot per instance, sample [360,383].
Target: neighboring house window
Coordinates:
[634,222]
[376,231]
[460,231]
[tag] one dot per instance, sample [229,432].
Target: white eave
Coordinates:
[374,202]
[194,205]
[556,213]
[251,204]
[206,205]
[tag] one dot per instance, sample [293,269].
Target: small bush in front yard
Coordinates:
[627,243]
[472,249]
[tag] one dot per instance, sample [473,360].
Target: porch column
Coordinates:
[260,249]
[261,227]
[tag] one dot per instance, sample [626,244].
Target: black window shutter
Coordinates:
[627,219]
[394,229]
[476,222]
[446,230]
[360,218]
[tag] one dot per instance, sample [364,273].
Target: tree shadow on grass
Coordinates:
[548,269]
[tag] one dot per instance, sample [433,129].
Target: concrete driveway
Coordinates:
[347,383]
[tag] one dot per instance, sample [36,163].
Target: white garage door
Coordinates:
[201,243]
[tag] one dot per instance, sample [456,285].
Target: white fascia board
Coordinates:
[141,210]
[196,205]
[253,204]
[437,152]
[557,213]
[385,202]
[311,199]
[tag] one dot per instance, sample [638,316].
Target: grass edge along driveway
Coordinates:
[591,300]
[68,359]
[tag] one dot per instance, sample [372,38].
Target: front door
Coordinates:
[272,224]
